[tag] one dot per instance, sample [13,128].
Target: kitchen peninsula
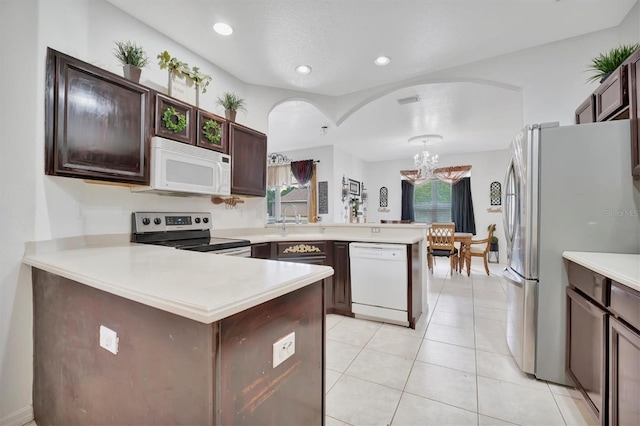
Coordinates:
[196,336]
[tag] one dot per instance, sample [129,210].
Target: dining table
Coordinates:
[464,253]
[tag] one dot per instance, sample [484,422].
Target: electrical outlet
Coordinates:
[375,230]
[109,339]
[283,349]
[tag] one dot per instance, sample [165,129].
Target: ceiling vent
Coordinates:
[409,100]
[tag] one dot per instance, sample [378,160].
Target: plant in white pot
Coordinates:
[231,104]
[133,59]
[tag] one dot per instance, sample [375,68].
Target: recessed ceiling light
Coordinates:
[222,29]
[381,61]
[303,69]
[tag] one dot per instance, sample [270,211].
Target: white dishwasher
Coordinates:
[379,282]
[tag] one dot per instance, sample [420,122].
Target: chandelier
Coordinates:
[424,162]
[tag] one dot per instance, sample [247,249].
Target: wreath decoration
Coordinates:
[212,131]
[173,120]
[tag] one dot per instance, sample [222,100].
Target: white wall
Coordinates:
[18,74]
[351,167]
[385,173]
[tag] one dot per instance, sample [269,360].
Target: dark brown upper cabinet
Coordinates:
[634,100]
[174,119]
[586,112]
[211,132]
[612,97]
[248,150]
[97,124]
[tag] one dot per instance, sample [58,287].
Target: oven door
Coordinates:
[238,252]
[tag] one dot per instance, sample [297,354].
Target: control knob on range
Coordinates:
[157,221]
[146,221]
[205,219]
[197,220]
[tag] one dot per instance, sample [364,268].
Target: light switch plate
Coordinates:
[283,349]
[109,339]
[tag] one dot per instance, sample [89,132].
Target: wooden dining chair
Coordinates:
[481,248]
[441,237]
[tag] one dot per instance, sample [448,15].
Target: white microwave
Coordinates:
[181,169]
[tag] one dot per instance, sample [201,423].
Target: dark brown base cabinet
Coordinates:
[624,374]
[338,287]
[603,345]
[586,354]
[170,369]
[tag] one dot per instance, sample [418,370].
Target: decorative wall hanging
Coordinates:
[323,197]
[384,197]
[495,190]
[354,187]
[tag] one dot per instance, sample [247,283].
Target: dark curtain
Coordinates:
[462,206]
[302,171]
[407,201]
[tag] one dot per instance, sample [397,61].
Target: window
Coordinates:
[291,201]
[432,202]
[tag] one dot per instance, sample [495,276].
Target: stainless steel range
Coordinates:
[184,231]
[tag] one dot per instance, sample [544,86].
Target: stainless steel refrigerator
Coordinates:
[567,188]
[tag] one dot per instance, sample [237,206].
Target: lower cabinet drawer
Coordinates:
[625,304]
[590,283]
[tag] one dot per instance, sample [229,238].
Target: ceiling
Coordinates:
[339,39]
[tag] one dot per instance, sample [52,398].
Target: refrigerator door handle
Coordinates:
[510,203]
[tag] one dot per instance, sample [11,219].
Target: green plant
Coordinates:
[211,130]
[128,53]
[182,70]
[494,240]
[168,118]
[231,101]
[606,63]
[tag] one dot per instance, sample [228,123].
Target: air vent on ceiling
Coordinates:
[409,100]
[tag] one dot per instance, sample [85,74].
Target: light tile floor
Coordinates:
[454,369]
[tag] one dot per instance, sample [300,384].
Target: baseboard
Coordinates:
[18,418]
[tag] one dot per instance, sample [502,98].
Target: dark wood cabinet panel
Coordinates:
[253,392]
[586,112]
[634,100]
[624,375]
[210,135]
[172,370]
[341,278]
[625,303]
[248,150]
[187,112]
[414,265]
[261,251]
[97,124]
[585,351]
[613,94]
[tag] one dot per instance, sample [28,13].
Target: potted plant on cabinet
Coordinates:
[608,62]
[231,104]
[179,69]
[493,244]
[133,59]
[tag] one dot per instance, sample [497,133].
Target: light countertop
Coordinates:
[393,239]
[201,286]
[623,268]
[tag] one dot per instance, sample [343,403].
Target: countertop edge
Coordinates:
[622,268]
[206,316]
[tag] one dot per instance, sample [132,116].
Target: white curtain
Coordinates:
[277,176]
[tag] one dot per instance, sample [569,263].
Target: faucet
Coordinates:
[284,217]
